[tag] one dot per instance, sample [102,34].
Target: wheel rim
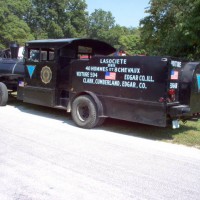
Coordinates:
[83,112]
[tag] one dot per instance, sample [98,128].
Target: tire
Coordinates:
[3,94]
[84,112]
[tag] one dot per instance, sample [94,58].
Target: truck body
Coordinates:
[80,76]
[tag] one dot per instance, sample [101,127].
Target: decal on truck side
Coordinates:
[177,64]
[115,73]
[174,75]
[46,74]
[31,69]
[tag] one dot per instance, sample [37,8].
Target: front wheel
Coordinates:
[84,112]
[3,94]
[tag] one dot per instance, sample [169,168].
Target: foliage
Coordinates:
[23,20]
[100,23]
[172,27]
[13,26]
[102,26]
[131,42]
[57,18]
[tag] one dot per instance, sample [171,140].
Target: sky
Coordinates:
[126,12]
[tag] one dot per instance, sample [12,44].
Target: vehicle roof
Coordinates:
[64,40]
[99,47]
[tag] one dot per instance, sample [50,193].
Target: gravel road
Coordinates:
[44,156]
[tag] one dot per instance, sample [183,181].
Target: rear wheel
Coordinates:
[3,94]
[84,112]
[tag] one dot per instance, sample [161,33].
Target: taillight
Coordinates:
[172,95]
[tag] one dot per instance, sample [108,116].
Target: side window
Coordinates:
[51,55]
[34,55]
[84,52]
[47,54]
[44,55]
[41,54]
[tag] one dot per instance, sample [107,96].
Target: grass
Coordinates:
[188,134]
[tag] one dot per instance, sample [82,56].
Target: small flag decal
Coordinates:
[110,76]
[31,69]
[21,83]
[174,75]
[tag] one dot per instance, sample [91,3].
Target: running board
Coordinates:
[61,107]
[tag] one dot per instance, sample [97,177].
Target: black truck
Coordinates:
[84,77]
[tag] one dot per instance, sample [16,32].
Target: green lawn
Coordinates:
[188,134]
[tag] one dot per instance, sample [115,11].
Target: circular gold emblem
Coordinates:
[46,75]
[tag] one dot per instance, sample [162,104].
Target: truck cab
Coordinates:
[47,68]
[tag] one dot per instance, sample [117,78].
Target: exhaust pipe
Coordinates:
[14,48]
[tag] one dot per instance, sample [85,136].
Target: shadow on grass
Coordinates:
[144,131]
[113,125]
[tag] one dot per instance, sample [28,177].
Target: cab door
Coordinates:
[40,76]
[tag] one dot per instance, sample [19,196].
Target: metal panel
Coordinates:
[39,96]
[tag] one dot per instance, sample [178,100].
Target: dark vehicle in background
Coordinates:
[82,77]
[11,70]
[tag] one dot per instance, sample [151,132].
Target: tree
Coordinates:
[172,27]
[13,27]
[191,27]
[23,20]
[57,18]
[100,23]
[131,43]
[102,26]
